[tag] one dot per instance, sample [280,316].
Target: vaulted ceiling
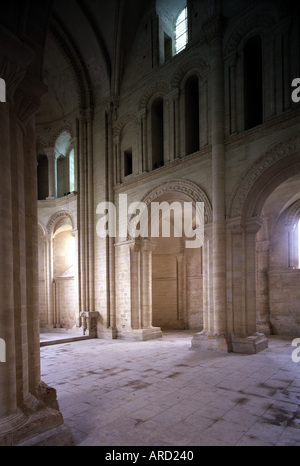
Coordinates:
[85,51]
[81,47]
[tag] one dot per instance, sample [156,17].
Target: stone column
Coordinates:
[218,176]
[252,228]
[134,290]
[143,162]
[10,415]
[49,281]
[181,291]
[172,127]
[251,342]
[28,407]
[218,339]
[52,172]
[135,285]
[203,120]
[263,305]
[117,156]
[147,247]
[232,92]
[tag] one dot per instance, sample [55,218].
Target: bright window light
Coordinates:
[181,31]
[72,170]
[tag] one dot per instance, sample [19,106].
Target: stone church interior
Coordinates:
[119,336]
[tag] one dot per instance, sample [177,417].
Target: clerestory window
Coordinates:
[181,31]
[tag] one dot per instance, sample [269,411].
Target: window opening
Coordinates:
[253,83]
[181,31]
[72,170]
[192,115]
[157,133]
[128,169]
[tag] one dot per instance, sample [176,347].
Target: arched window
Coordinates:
[72,170]
[157,122]
[181,31]
[62,176]
[192,139]
[253,83]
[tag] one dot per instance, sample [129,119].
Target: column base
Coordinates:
[249,344]
[144,334]
[211,342]
[107,333]
[37,422]
[44,427]
[263,327]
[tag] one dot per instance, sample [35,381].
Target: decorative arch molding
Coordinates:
[292,215]
[244,28]
[58,216]
[157,89]
[41,229]
[188,188]
[281,162]
[66,128]
[81,76]
[195,65]
[123,121]
[41,143]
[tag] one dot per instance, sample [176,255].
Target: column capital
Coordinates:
[50,152]
[135,245]
[253,225]
[147,245]
[142,114]
[173,95]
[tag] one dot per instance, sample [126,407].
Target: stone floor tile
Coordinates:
[162,392]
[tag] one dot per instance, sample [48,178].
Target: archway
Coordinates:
[260,243]
[178,275]
[58,278]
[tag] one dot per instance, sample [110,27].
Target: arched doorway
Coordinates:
[177,276]
[58,278]
[261,240]
[179,284]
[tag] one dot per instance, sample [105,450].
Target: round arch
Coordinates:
[57,217]
[185,190]
[279,164]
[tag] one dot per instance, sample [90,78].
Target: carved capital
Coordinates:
[253,225]
[147,246]
[135,245]
[50,152]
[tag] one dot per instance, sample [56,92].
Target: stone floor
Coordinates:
[162,393]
